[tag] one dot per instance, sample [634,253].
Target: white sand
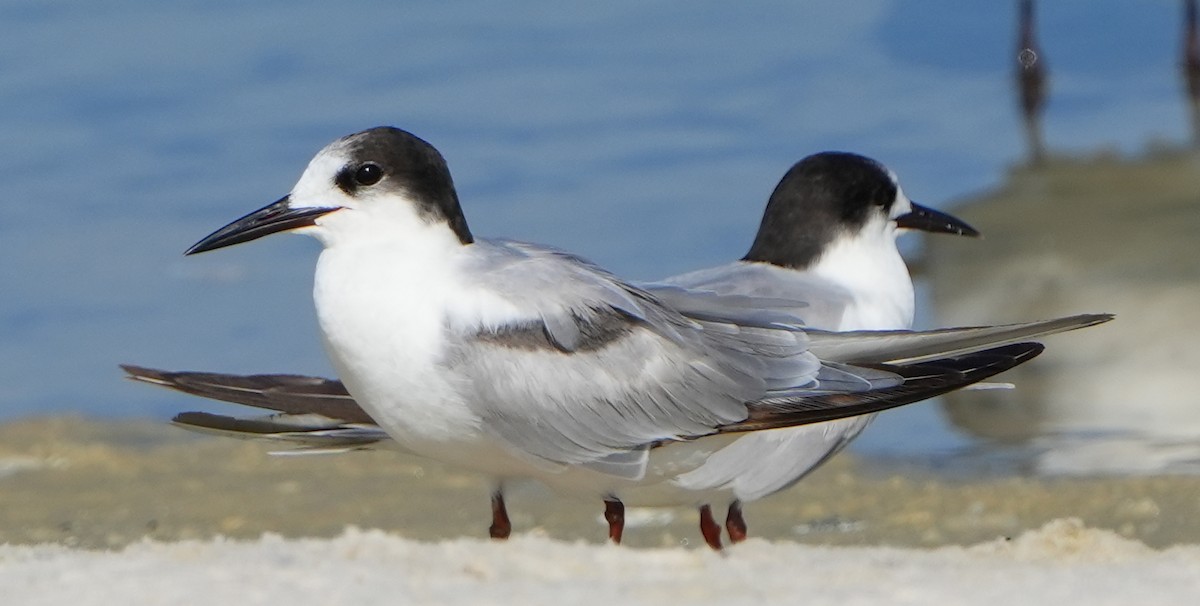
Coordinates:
[1061,563]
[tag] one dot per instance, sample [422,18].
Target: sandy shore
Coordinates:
[106,485]
[1063,563]
[142,512]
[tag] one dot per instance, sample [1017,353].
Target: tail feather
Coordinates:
[291,394]
[308,431]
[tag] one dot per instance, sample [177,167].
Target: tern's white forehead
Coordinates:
[902,205]
[891,175]
[317,185]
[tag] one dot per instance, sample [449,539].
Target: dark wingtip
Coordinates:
[922,380]
[192,418]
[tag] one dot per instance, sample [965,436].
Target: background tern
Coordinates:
[827,240]
[522,361]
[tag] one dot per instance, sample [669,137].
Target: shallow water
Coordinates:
[645,137]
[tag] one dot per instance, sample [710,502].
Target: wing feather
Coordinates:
[899,346]
[625,368]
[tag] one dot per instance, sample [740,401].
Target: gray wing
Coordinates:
[605,369]
[816,301]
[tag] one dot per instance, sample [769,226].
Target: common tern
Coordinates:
[522,361]
[828,240]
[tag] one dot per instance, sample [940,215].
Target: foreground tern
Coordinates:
[521,361]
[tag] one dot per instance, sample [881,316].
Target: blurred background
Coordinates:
[644,136]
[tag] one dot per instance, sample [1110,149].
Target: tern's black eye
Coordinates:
[368,174]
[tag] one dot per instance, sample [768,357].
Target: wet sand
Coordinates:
[103,485]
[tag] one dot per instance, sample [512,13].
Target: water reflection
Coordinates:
[1088,234]
[1031,81]
[1073,233]
[1191,65]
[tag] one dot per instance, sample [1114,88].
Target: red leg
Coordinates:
[709,528]
[501,527]
[614,514]
[735,524]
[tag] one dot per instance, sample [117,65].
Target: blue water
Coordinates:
[643,135]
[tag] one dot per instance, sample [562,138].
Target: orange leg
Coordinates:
[501,527]
[709,528]
[735,524]
[614,514]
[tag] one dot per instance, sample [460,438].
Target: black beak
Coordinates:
[272,218]
[928,219]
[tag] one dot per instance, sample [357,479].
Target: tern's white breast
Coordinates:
[872,270]
[381,311]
